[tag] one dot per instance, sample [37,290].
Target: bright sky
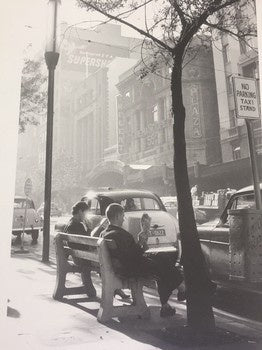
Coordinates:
[34,20]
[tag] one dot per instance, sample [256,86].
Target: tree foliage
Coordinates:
[171,24]
[66,175]
[33,93]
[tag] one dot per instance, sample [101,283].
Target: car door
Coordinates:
[219,250]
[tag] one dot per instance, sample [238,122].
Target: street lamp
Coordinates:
[51,58]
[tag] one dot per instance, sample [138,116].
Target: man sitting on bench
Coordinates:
[132,262]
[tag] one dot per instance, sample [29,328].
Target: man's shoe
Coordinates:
[167,311]
[122,294]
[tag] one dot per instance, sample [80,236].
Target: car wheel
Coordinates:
[35,234]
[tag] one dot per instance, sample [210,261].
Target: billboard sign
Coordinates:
[88,55]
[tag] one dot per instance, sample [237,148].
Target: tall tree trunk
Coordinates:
[200,315]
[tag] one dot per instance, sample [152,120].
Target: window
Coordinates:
[131,204]
[163,135]
[244,202]
[258,142]
[243,46]
[250,70]
[150,204]
[161,105]
[229,85]
[225,52]
[95,206]
[138,145]
[139,204]
[138,120]
[236,152]
[232,118]
[155,113]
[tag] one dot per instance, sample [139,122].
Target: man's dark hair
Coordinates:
[79,206]
[113,210]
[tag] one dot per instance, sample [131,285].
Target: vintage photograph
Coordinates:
[132,188]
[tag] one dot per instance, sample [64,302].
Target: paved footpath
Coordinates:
[37,322]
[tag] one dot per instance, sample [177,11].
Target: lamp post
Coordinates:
[51,58]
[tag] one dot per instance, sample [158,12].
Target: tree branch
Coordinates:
[180,13]
[130,25]
[228,31]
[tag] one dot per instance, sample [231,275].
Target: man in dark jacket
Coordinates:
[134,263]
[77,224]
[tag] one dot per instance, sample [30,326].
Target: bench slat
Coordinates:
[86,240]
[92,256]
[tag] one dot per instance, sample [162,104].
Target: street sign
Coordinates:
[246,97]
[28,187]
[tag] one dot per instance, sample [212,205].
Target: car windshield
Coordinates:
[20,203]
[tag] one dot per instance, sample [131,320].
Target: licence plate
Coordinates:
[157,232]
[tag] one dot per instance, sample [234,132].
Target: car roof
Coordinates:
[120,193]
[20,197]
[248,189]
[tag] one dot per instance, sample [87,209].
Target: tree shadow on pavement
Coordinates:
[168,332]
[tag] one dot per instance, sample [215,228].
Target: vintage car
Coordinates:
[164,227]
[215,235]
[31,224]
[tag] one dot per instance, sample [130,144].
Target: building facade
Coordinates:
[232,57]
[145,123]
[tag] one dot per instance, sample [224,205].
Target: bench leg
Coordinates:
[105,311]
[60,289]
[139,300]
[88,283]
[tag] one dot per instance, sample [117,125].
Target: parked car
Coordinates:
[55,210]
[164,227]
[214,235]
[171,206]
[32,224]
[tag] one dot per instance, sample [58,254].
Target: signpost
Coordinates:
[246,104]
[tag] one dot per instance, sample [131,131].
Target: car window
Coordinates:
[95,206]
[244,202]
[151,204]
[131,204]
[134,204]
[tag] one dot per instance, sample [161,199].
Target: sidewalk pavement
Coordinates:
[37,322]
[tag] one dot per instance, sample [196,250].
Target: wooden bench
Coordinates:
[96,252]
